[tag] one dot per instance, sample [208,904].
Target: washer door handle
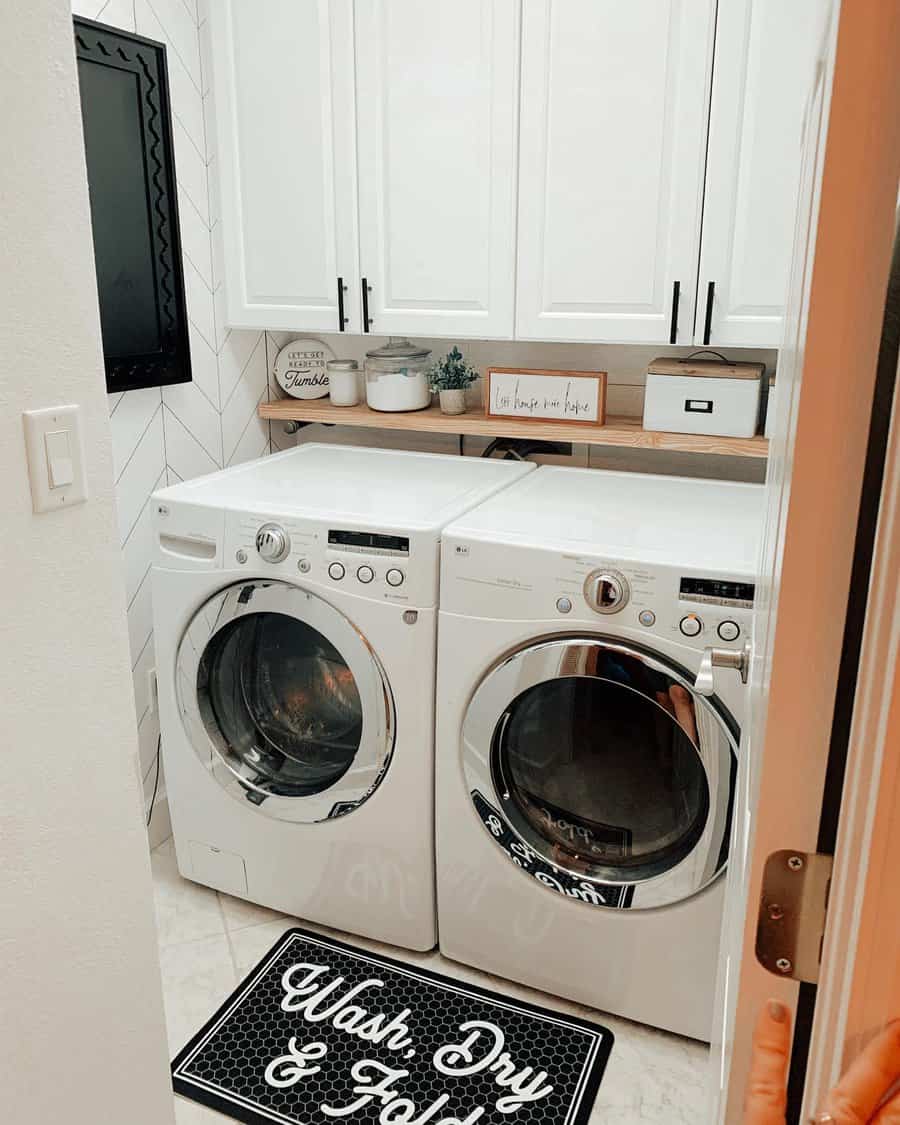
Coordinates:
[736,659]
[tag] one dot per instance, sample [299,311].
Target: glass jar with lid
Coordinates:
[343,382]
[396,376]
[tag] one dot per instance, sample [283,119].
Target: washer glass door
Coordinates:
[597,769]
[284,701]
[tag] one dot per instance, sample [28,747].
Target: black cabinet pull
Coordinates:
[676,296]
[707,324]
[365,304]
[342,320]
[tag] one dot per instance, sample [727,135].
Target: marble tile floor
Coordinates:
[210,941]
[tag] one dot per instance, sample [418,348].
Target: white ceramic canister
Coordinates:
[343,382]
[396,376]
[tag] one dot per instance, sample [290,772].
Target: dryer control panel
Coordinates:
[645,599]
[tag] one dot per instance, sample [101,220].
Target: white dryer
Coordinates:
[585,784]
[295,603]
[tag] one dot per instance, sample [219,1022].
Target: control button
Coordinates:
[336,571]
[564,605]
[365,574]
[690,625]
[241,555]
[729,630]
[394,577]
[647,617]
[303,566]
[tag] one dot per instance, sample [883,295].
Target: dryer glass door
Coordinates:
[608,777]
[284,701]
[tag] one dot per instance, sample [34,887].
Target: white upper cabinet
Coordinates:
[283,74]
[614,110]
[437,110]
[530,169]
[765,58]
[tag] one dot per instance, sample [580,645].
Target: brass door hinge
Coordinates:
[792,911]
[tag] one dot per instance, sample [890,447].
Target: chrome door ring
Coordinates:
[565,656]
[233,772]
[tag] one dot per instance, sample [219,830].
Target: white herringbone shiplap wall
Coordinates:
[163,436]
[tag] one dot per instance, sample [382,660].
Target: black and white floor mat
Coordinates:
[323,1032]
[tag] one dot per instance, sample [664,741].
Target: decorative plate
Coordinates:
[300,368]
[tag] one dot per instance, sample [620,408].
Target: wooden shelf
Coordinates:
[617,431]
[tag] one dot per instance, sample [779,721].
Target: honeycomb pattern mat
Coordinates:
[320,1031]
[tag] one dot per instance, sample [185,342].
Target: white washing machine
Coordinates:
[585,783]
[295,603]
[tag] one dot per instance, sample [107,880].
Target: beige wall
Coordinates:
[82,1036]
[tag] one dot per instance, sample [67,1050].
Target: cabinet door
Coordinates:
[613,132]
[437,112]
[765,57]
[283,75]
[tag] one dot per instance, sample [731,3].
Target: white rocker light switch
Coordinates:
[59,459]
[55,457]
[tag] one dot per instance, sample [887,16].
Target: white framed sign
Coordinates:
[539,395]
[301,368]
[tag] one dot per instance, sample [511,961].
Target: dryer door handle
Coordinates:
[736,659]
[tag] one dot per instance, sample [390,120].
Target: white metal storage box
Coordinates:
[702,396]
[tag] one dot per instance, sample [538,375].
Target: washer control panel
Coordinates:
[373,564]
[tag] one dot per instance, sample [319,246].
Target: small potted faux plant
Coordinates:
[449,377]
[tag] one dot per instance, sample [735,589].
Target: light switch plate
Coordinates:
[55,451]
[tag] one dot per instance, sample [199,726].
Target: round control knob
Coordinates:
[365,574]
[606,591]
[394,577]
[336,571]
[272,543]
[690,625]
[729,630]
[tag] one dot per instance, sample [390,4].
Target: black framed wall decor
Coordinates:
[127,123]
